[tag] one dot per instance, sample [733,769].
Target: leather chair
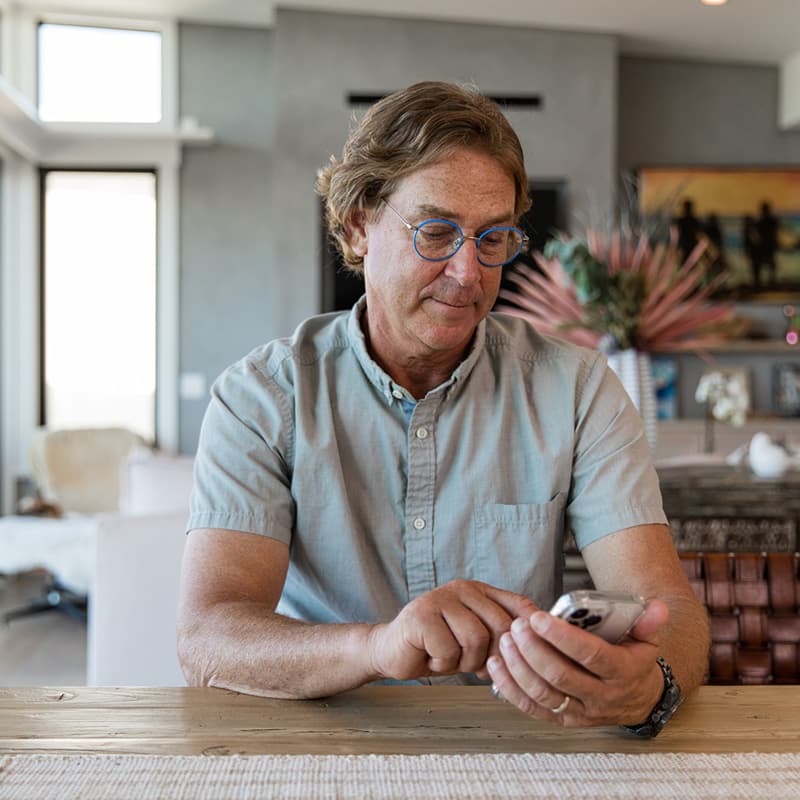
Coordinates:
[752,601]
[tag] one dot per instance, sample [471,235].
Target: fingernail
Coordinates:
[539,621]
[493,663]
[518,625]
[506,642]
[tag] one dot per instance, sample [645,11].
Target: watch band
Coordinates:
[663,710]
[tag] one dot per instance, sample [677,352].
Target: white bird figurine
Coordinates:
[767,459]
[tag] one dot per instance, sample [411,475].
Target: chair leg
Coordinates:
[56,597]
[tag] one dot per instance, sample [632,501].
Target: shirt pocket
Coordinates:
[519,547]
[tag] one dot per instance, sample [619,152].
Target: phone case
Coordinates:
[609,615]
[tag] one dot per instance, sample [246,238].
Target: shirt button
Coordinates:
[422,433]
[419,523]
[397,393]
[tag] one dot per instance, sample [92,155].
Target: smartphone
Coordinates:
[609,615]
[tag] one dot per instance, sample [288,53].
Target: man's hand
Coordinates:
[544,659]
[454,628]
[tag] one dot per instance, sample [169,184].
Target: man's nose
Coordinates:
[464,266]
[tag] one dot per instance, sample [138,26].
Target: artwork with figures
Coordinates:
[749,219]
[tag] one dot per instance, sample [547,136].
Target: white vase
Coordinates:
[635,371]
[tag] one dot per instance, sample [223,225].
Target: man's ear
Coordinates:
[355,229]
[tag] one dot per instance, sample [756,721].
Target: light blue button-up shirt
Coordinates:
[381,498]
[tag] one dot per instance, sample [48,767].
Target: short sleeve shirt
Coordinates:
[306,440]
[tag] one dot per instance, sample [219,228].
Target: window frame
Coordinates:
[43,172]
[169,67]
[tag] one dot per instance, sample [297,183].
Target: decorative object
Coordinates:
[749,218]
[768,459]
[792,335]
[620,292]
[786,389]
[726,395]
[665,380]
[635,371]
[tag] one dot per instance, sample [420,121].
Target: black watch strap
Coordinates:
[664,708]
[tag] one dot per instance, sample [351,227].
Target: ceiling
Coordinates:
[753,31]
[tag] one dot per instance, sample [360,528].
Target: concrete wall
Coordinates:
[228,296]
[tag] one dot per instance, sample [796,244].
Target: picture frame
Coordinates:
[786,389]
[748,217]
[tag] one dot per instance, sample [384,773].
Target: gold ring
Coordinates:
[560,709]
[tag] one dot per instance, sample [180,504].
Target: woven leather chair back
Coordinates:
[752,601]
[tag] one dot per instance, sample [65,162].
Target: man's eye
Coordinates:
[493,239]
[438,233]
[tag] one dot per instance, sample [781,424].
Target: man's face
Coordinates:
[418,309]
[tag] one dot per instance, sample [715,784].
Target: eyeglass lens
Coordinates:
[438,239]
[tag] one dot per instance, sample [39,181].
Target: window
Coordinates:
[99,299]
[93,74]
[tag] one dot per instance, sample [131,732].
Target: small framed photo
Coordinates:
[786,389]
[665,381]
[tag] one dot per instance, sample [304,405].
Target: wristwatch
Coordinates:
[664,708]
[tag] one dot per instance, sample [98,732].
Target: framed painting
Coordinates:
[748,217]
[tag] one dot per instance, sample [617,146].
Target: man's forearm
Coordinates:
[243,646]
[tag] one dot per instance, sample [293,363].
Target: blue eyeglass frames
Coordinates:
[440,239]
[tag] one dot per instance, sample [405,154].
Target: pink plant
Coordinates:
[621,288]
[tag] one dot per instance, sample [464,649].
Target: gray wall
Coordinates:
[228,295]
[686,113]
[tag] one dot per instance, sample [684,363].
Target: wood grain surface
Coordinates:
[385,719]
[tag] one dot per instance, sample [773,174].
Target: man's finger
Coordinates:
[517,605]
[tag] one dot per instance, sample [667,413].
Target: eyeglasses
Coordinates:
[440,239]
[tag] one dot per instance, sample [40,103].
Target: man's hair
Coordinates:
[405,131]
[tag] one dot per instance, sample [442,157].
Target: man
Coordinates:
[384,495]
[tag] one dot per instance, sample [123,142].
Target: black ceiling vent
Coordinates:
[509,102]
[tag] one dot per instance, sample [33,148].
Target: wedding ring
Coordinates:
[560,709]
[496,694]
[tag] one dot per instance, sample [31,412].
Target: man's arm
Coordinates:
[544,659]
[230,636]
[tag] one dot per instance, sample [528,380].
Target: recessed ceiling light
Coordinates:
[713,2]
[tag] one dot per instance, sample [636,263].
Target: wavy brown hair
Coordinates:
[405,131]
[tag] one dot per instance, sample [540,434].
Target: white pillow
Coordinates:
[156,483]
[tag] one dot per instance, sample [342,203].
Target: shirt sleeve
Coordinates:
[614,482]
[242,476]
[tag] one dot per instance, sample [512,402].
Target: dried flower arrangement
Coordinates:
[620,291]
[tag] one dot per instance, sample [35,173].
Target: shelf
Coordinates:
[742,346]
[23,132]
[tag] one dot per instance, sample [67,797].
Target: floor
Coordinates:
[46,649]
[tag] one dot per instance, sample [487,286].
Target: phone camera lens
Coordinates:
[589,622]
[578,613]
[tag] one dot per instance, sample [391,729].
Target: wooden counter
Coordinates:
[396,719]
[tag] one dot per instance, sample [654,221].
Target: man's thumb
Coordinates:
[654,617]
